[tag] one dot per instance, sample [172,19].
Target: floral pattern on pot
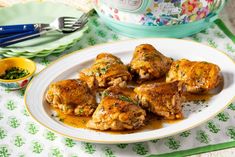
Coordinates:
[161,12]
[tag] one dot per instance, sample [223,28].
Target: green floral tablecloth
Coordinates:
[21,136]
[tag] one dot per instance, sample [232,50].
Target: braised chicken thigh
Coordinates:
[196,76]
[148,63]
[152,87]
[72,97]
[163,99]
[107,70]
[118,110]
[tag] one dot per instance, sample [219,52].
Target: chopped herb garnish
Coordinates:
[14,73]
[124,98]
[80,111]
[97,72]
[177,65]
[104,69]
[105,93]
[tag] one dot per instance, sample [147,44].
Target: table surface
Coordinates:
[226,15]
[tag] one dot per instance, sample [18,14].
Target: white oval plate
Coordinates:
[69,66]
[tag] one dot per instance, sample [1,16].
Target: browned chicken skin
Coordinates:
[121,108]
[148,63]
[72,97]
[107,70]
[118,110]
[163,99]
[196,76]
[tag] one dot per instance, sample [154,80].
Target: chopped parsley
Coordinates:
[99,71]
[14,73]
[125,98]
[105,93]
[104,69]
[80,111]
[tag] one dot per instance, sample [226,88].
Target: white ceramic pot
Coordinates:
[156,12]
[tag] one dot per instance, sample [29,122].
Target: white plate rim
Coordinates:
[139,139]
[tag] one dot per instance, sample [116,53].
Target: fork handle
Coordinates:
[9,29]
[19,38]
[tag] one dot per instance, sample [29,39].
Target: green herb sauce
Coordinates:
[14,73]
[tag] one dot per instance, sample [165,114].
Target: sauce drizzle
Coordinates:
[153,122]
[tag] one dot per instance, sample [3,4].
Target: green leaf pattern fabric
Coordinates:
[21,136]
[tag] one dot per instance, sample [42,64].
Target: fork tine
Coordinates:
[83,17]
[70,22]
[68,17]
[77,23]
[80,24]
[69,28]
[73,26]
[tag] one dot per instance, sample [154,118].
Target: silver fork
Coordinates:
[71,25]
[67,24]
[61,24]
